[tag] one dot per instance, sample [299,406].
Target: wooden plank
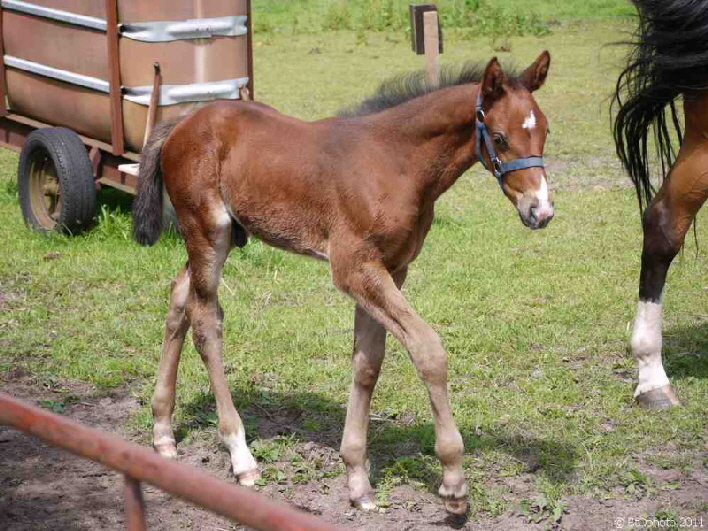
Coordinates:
[417,13]
[432,48]
[113,177]
[114,78]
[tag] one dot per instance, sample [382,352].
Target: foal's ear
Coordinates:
[493,80]
[535,75]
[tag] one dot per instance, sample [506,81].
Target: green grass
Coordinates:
[485,16]
[536,323]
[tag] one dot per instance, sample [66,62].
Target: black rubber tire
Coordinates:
[60,154]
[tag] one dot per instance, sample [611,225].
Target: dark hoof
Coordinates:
[456,507]
[659,398]
[456,521]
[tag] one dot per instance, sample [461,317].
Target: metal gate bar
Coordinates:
[138,464]
[134,505]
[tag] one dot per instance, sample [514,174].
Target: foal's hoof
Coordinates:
[659,398]
[364,504]
[455,499]
[457,508]
[167,450]
[248,479]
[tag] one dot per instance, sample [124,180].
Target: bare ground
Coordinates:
[42,488]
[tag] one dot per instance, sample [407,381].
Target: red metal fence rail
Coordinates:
[138,464]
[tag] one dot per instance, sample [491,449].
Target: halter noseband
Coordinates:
[499,168]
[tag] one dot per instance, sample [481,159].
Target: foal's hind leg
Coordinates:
[163,399]
[369,350]
[208,247]
[666,222]
[374,289]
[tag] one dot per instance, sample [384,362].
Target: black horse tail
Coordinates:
[669,58]
[147,206]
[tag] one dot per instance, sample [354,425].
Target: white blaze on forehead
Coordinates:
[530,121]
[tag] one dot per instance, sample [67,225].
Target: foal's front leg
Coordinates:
[369,351]
[374,289]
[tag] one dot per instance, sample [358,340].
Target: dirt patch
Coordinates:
[42,488]
[586,173]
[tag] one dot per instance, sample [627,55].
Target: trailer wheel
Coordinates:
[55,182]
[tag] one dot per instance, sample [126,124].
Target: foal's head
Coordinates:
[516,129]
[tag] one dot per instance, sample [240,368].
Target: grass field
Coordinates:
[535,323]
[306,16]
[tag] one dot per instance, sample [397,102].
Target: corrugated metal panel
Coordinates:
[58,49]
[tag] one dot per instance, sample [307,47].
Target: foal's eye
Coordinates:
[500,140]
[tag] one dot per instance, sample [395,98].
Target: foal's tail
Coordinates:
[147,206]
[670,57]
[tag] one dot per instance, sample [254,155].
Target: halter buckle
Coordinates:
[497,164]
[480,115]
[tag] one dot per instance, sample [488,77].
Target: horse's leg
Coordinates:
[163,399]
[207,248]
[369,350]
[665,224]
[374,289]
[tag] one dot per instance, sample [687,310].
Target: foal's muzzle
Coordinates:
[536,215]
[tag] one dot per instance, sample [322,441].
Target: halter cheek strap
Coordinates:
[499,168]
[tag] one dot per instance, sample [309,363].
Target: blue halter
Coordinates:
[499,168]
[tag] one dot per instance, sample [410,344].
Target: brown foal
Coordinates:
[358,191]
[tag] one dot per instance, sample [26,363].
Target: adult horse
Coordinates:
[357,190]
[669,60]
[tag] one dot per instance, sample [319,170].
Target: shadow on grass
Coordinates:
[395,446]
[114,200]
[686,352]
[114,203]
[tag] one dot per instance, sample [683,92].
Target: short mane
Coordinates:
[405,87]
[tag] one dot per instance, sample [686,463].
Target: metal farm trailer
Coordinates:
[83,82]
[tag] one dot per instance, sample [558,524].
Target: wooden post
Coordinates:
[432,47]
[116,100]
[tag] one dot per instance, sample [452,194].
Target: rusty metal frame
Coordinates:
[106,158]
[112,32]
[139,464]
[15,129]
[249,47]
[154,101]
[3,86]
